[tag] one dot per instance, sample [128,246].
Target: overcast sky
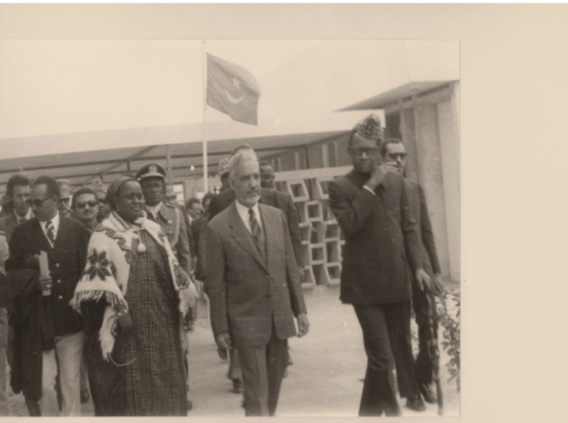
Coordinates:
[51,87]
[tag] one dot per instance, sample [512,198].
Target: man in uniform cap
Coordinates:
[152,178]
[371,206]
[64,202]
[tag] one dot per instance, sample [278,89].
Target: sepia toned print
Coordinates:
[361,142]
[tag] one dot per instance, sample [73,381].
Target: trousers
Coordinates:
[65,358]
[386,337]
[263,368]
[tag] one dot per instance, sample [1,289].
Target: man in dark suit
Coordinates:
[393,150]
[253,286]
[48,338]
[197,226]
[18,190]
[371,207]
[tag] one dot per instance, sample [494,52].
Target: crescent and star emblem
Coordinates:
[237,85]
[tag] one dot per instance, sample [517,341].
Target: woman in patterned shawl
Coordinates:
[133,296]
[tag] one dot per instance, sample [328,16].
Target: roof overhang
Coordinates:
[84,156]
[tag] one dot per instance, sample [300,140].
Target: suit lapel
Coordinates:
[271,232]
[61,233]
[241,235]
[39,237]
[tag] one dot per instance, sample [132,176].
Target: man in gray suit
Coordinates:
[253,286]
[18,190]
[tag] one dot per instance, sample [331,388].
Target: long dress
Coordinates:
[146,376]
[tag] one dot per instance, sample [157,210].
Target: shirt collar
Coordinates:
[243,212]
[154,210]
[27,216]
[54,221]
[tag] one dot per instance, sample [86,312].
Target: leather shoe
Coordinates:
[237,386]
[415,403]
[428,393]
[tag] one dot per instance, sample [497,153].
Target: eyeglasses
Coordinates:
[37,202]
[395,156]
[358,151]
[83,204]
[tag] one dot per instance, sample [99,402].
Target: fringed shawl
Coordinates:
[112,248]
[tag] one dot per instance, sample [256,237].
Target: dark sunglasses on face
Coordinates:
[37,202]
[83,204]
[359,151]
[395,156]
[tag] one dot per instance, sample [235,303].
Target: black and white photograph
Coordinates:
[218,222]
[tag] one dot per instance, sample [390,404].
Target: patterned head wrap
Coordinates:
[114,187]
[370,128]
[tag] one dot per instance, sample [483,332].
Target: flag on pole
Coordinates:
[232,90]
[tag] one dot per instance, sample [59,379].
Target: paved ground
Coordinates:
[325,379]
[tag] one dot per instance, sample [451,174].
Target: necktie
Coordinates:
[50,232]
[254,228]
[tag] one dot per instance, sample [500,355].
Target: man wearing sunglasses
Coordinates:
[64,203]
[85,207]
[48,339]
[371,206]
[394,152]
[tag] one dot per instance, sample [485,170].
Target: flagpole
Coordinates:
[205,165]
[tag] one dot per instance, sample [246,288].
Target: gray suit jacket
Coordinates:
[248,293]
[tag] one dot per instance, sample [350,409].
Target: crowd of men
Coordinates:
[243,246]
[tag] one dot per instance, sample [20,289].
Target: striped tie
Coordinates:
[50,232]
[254,228]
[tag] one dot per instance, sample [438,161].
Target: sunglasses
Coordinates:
[369,151]
[83,204]
[37,202]
[395,156]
